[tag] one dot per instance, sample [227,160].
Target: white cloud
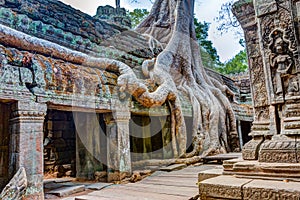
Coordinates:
[206,10]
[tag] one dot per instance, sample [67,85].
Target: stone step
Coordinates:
[210,173]
[231,187]
[66,191]
[173,167]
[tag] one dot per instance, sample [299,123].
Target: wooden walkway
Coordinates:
[175,185]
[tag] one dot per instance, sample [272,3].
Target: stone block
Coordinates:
[210,173]
[271,190]
[222,187]
[279,151]
[228,164]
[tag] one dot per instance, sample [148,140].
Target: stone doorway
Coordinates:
[150,137]
[5,111]
[246,129]
[74,144]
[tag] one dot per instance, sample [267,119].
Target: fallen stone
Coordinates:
[98,186]
[66,191]
[173,167]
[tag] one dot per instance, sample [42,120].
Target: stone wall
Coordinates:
[56,22]
[60,140]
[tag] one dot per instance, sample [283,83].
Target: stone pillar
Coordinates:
[239,127]
[26,145]
[279,47]
[118,142]
[245,14]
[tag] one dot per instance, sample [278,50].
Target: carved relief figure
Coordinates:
[280,60]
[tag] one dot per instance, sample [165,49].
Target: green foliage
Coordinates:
[137,16]
[209,55]
[239,63]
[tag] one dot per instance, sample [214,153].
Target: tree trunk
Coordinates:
[178,71]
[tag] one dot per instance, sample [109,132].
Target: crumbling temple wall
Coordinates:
[57,60]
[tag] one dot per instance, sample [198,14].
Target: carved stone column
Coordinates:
[245,13]
[279,46]
[26,145]
[118,142]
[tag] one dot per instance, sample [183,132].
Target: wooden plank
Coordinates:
[174,182]
[173,167]
[126,194]
[180,175]
[66,191]
[163,189]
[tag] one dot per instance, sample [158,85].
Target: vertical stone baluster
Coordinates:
[26,145]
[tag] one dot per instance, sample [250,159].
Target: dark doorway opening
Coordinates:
[74,144]
[246,129]
[5,111]
[150,137]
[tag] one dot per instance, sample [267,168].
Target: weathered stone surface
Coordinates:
[65,191]
[271,190]
[210,173]
[222,187]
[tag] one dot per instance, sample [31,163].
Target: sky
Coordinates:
[227,45]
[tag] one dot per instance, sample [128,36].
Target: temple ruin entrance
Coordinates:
[5,111]
[59,144]
[245,130]
[74,144]
[150,137]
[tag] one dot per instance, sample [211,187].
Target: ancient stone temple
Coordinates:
[269,168]
[64,105]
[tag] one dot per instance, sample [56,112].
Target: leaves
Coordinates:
[238,64]
[137,16]
[209,55]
